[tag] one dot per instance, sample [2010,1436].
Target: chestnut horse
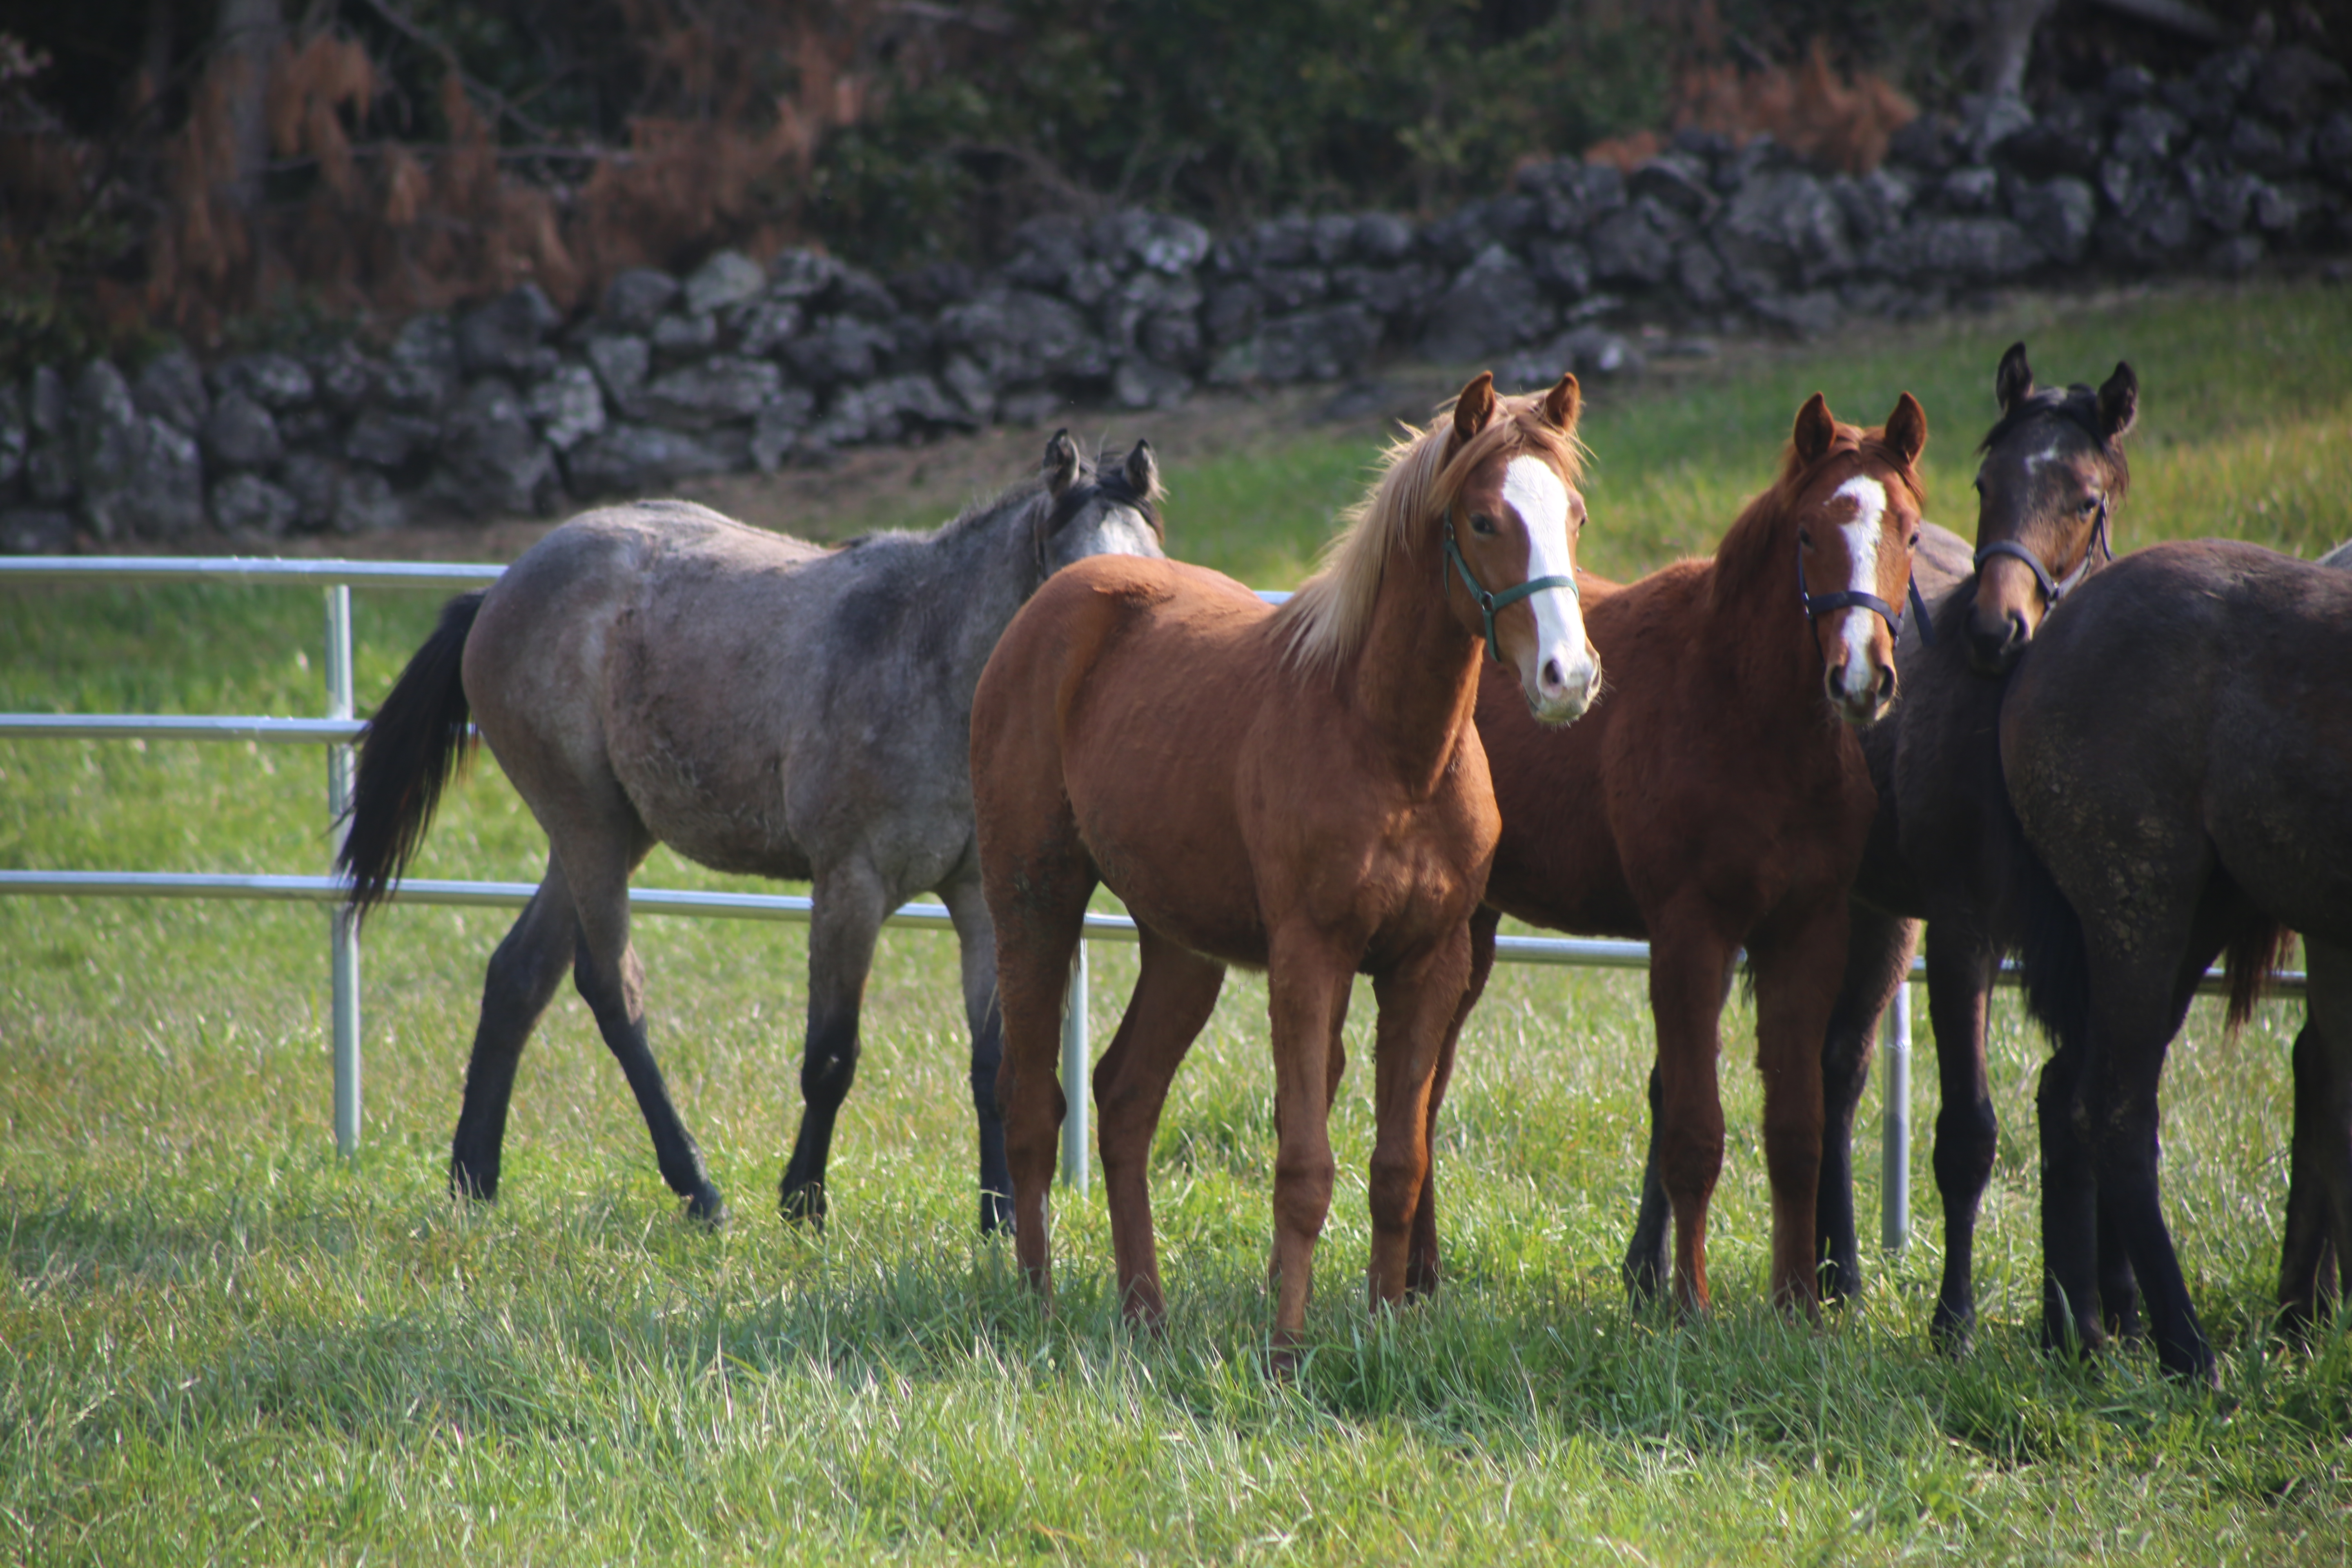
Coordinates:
[1300,790]
[2179,748]
[1719,803]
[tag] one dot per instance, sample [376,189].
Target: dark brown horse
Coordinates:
[1717,798]
[1298,789]
[1946,845]
[2179,749]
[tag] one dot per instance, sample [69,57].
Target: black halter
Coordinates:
[1819,605]
[2053,590]
[1489,603]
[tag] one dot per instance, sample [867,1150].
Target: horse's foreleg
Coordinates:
[1421,1266]
[1798,969]
[2315,1256]
[524,972]
[976,944]
[1689,974]
[1307,987]
[1961,963]
[2070,1205]
[1649,1258]
[846,905]
[1420,1008]
[1038,905]
[1877,960]
[612,980]
[1175,991]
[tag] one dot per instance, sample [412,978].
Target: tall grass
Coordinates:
[218,1342]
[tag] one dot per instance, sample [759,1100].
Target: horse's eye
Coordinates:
[1915,542]
[1481,524]
[1805,537]
[2090,504]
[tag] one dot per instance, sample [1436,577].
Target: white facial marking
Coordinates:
[1535,492]
[2049,454]
[1869,498]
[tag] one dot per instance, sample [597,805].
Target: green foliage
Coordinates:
[218,1342]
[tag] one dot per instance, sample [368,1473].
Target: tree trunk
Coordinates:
[245,39]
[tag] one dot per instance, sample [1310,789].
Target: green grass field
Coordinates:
[218,1342]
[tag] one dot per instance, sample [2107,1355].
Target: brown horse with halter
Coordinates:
[1717,798]
[1300,790]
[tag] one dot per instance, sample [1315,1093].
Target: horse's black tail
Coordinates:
[408,753]
[2250,957]
[2053,961]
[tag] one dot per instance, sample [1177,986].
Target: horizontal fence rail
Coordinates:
[340,729]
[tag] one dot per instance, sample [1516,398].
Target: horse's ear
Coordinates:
[1061,465]
[2118,401]
[1142,471]
[1816,428]
[1906,429]
[2013,384]
[1563,403]
[1475,406]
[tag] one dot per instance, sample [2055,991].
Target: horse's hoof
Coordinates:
[803,1205]
[706,1209]
[1952,1333]
[466,1187]
[1283,1358]
[996,1214]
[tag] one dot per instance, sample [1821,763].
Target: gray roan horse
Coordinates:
[657,673]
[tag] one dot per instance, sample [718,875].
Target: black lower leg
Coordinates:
[828,1067]
[1646,1257]
[995,1176]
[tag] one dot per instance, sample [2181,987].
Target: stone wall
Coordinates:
[510,408]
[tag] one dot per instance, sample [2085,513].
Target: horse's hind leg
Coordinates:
[1649,1257]
[524,972]
[1877,960]
[846,906]
[1418,1009]
[1960,966]
[1175,991]
[2315,1258]
[1421,1266]
[611,982]
[976,946]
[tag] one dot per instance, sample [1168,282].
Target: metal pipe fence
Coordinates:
[340,728]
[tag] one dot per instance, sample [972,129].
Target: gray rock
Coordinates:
[312,480]
[240,434]
[1973,189]
[2224,197]
[2062,140]
[2159,228]
[635,298]
[1317,345]
[1146,297]
[1924,143]
[16,434]
[1988,119]
[1232,314]
[1284,241]
[1090,281]
[1678,181]
[765,325]
[859,293]
[1142,383]
[719,391]
[2146,134]
[727,278]
[1020,337]
[1632,246]
[1493,305]
[1395,291]
[2331,147]
[1964,249]
[364,503]
[491,462]
[2279,209]
[505,336]
[384,439]
[165,498]
[345,378]
[1783,225]
[678,337]
[1170,246]
[2264,150]
[249,504]
[1561,266]
[621,363]
[1699,273]
[1045,251]
[278,382]
[170,387]
[423,365]
[801,275]
[312,427]
[36,531]
[1593,353]
[1380,239]
[51,472]
[1808,313]
[1172,337]
[2236,255]
[634,459]
[837,349]
[1335,238]
[2057,215]
[418,389]
[567,407]
[778,432]
[1282,290]
[1873,205]
[108,433]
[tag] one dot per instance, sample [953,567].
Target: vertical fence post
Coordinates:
[1076,1091]
[343,942]
[1895,1127]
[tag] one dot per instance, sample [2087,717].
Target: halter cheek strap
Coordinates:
[2053,590]
[1819,605]
[1490,602]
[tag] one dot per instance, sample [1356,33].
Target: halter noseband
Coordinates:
[2053,590]
[1489,603]
[1819,605]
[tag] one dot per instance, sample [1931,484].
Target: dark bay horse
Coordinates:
[1945,847]
[1717,798]
[1300,790]
[2179,749]
[657,673]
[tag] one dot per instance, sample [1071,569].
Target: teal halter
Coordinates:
[1489,603]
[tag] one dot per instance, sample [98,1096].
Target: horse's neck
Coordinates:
[1415,681]
[1753,629]
[987,573]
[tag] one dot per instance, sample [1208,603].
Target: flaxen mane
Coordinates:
[1323,623]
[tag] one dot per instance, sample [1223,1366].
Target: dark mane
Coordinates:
[2078,405]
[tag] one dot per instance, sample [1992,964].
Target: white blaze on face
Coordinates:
[1563,666]
[1861,536]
